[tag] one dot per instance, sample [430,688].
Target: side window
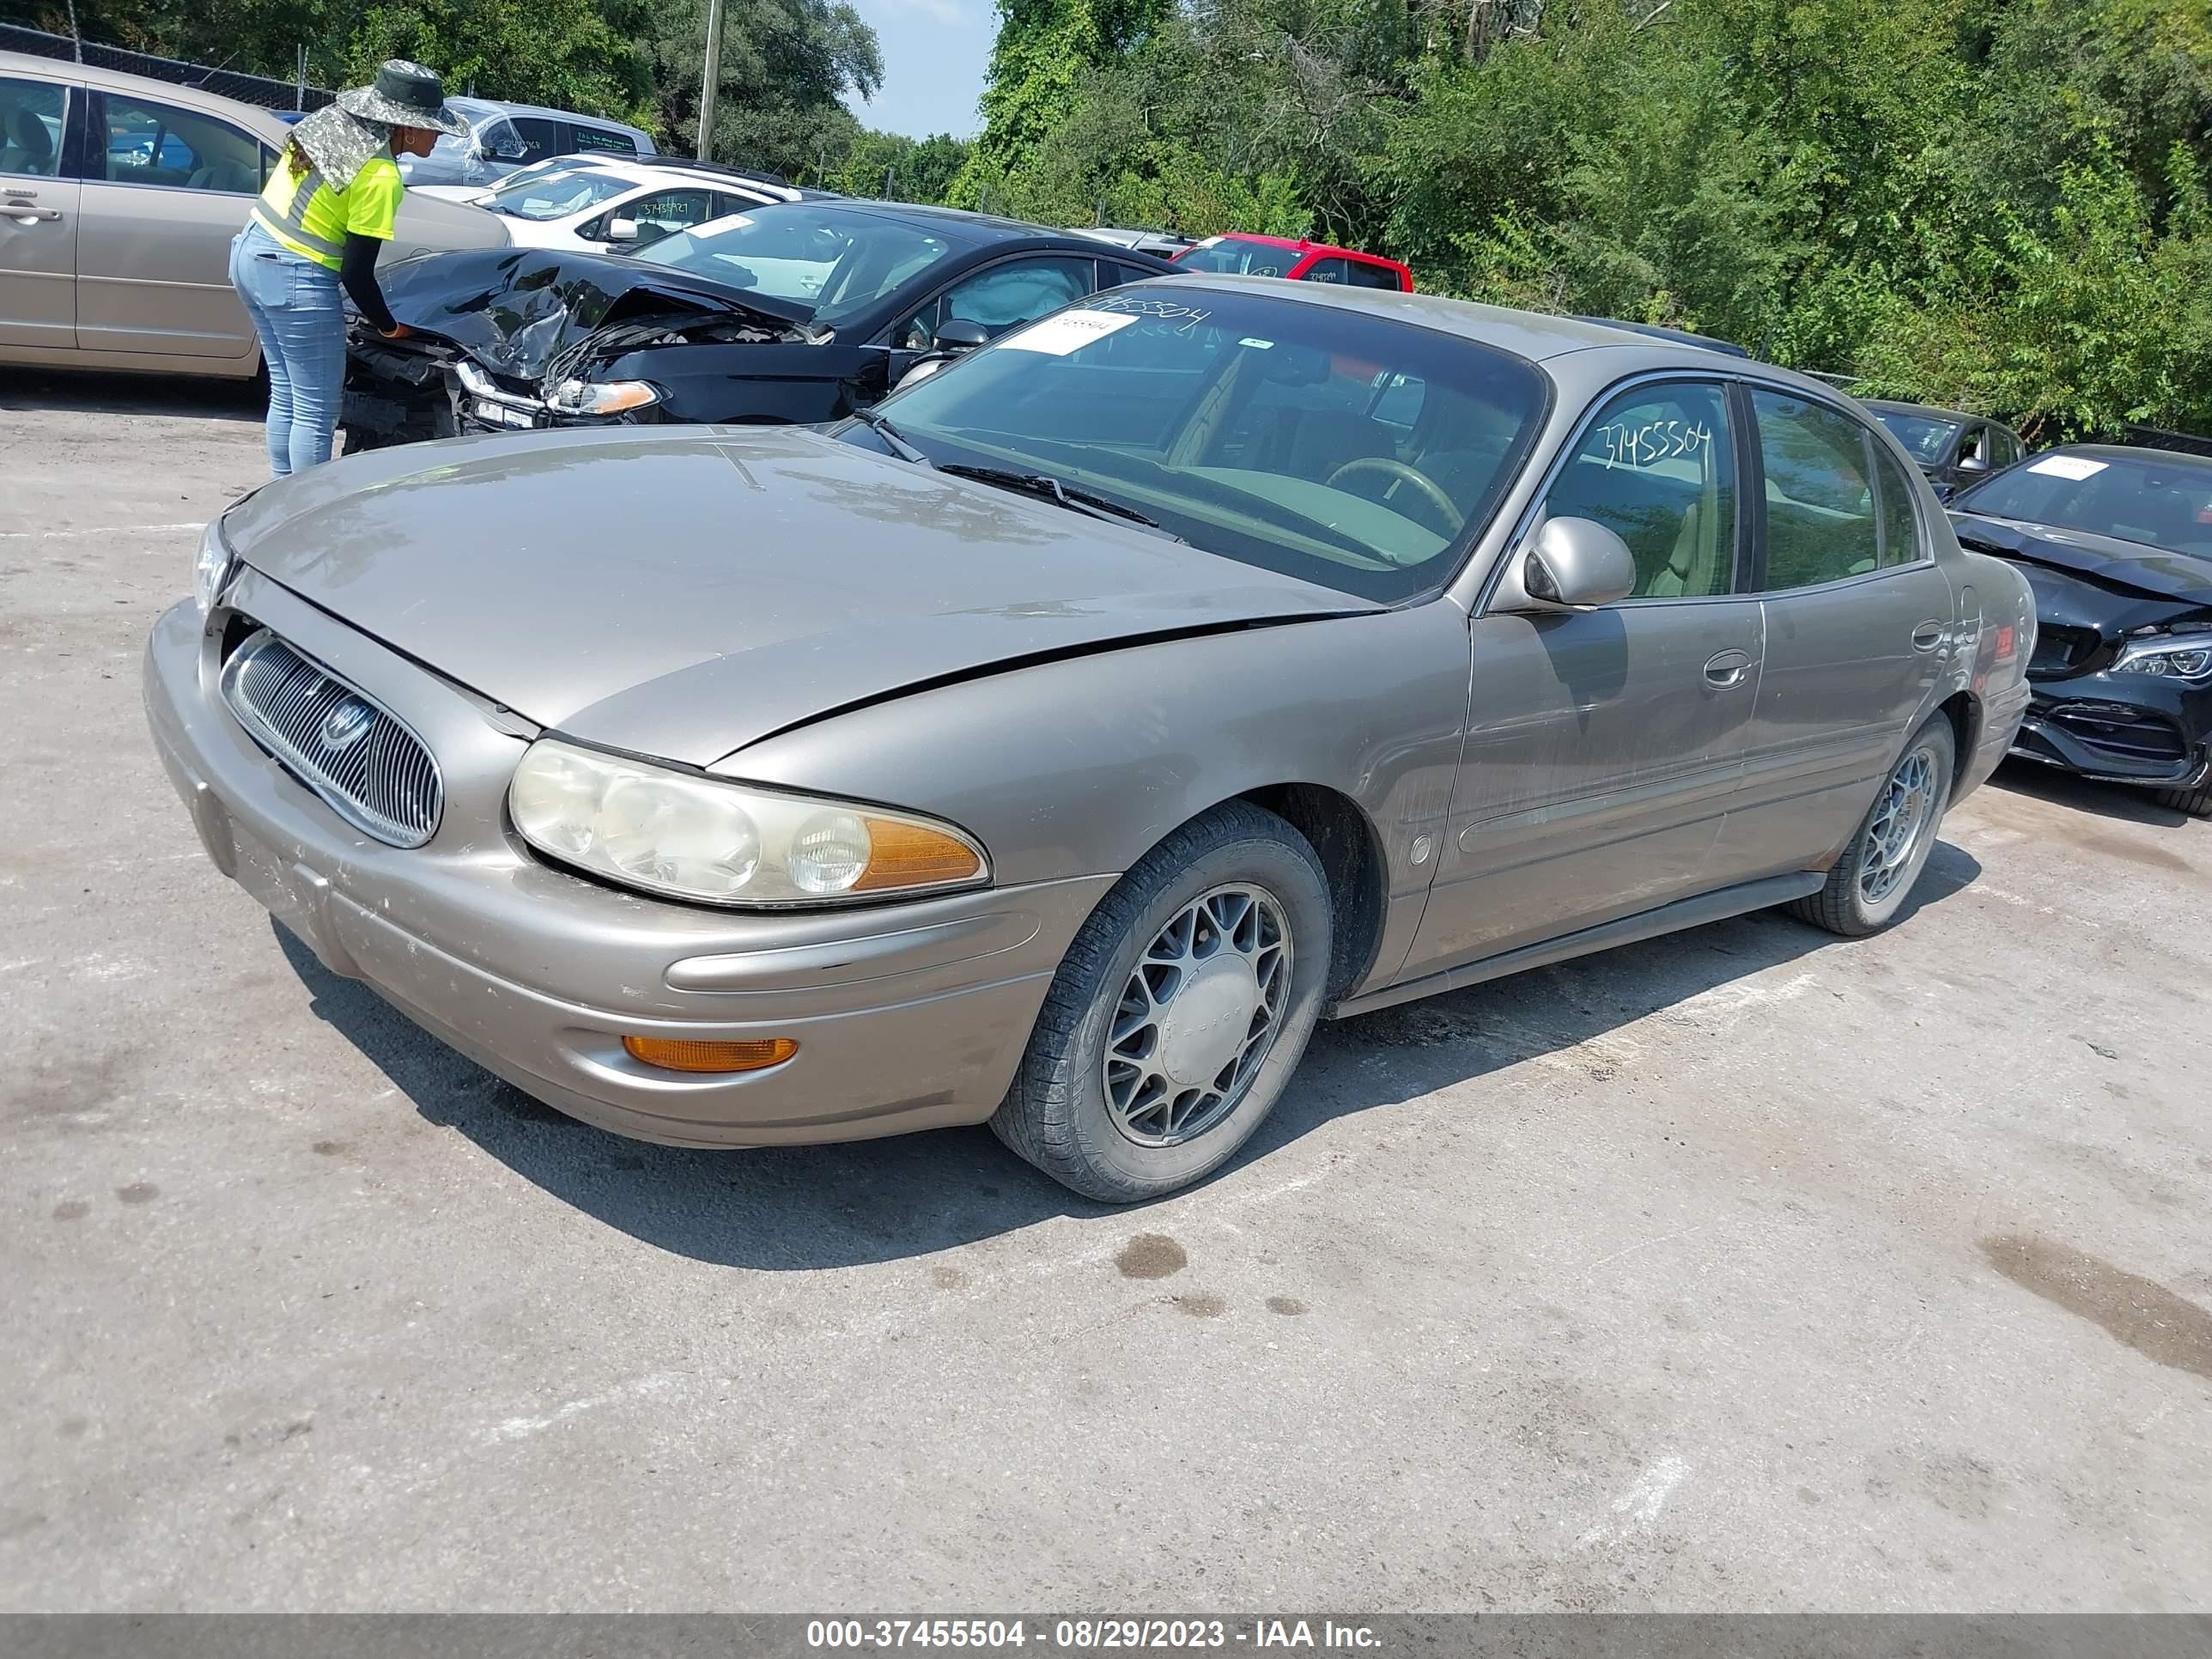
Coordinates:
[30,128]
[1901,527]
[1398,400]
[1019,291]
[1821,521]
[1364,275]
[600,141]
[1327,270]
[1657,468]
[540,137]
[500,140]
[666,212]
[2007,446]
[150,144]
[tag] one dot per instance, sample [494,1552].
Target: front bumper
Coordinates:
[907,1016]
[2121,728]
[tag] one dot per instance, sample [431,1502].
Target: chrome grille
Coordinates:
[368,769]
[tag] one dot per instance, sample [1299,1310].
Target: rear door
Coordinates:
[1604,747]
[39,211]
[1859,623]
[166,188]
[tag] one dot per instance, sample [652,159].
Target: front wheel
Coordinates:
[1179,1013]
[1867,885]
[2197,802]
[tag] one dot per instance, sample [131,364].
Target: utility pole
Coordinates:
[300,90]
[711,81]
[76,40]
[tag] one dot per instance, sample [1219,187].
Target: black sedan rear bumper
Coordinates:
[2121,728]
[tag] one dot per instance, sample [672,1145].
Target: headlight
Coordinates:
[211,569]
[2180,656]
[698,838]
[602,397]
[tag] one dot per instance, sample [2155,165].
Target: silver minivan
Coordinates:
[119,197]
[504,137]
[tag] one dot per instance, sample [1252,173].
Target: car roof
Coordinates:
[1538,336]
[1895,406]
[969,229]
[1294,242]
[643,170]
[260,122]
[500,106]
[2129,452]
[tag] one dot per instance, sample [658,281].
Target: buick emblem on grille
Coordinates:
[346,726]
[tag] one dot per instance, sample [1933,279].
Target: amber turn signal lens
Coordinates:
[911,856]
[676,1055]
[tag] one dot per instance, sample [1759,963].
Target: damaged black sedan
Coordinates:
[800,311]
[2116,545]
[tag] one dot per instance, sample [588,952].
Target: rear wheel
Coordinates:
[1179,1013]
[1867,885]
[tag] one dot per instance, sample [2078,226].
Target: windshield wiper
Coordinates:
[881,426]
[1074,497]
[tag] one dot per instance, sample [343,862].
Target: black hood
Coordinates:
[2123,568]
[517,310]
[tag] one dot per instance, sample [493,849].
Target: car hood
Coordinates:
[2127,569]
[686,592]
[516,310]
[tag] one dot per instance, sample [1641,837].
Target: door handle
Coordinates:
[1930,635]
[1727,669]
[24,213]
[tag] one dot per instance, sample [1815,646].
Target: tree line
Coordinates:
[788,67]
[2000,204]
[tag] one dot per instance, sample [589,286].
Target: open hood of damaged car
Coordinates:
[515,310]
[2127,569]
[687,592]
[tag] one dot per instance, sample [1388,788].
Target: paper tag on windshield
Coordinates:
[2076,467]
[1058,336]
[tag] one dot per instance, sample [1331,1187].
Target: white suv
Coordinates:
[593,204]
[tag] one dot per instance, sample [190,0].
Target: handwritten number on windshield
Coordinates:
[1652,441]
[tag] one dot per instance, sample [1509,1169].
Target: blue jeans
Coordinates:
[296,311]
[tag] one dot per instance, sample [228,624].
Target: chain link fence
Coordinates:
[260,89]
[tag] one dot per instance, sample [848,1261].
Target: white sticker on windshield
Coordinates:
[1058,336]
[1257,345]
[2076,467]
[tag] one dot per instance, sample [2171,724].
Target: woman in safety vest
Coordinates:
[325,213]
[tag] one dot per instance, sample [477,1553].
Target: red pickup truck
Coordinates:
[1240,254]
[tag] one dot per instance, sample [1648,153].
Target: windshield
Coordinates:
[556,195]
[832,259]
[2155,498]
[1233,255]
[1358,454]
[1925,436]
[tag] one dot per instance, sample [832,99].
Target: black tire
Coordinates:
[1842,907]
[2197,802]
[1057,1115]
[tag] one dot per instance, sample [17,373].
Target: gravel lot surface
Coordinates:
[1744,1270]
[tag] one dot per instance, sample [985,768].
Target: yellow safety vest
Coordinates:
[307,216]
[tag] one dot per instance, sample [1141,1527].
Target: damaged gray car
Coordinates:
[1055,744]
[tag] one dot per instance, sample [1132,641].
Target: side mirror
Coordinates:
[622,230]
[1971,467]
[959,334]
[1569,564]
[922,369]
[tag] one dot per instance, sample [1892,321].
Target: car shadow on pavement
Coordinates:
[2111,800]
[36,391]
[913,1196]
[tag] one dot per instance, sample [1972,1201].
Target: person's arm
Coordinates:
[358,270]
[372,207]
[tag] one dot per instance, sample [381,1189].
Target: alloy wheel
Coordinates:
[1901,819]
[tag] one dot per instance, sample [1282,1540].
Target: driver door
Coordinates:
[1605,746]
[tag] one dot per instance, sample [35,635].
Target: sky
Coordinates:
[934,54]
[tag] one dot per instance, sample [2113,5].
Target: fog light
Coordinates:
[678,1054]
